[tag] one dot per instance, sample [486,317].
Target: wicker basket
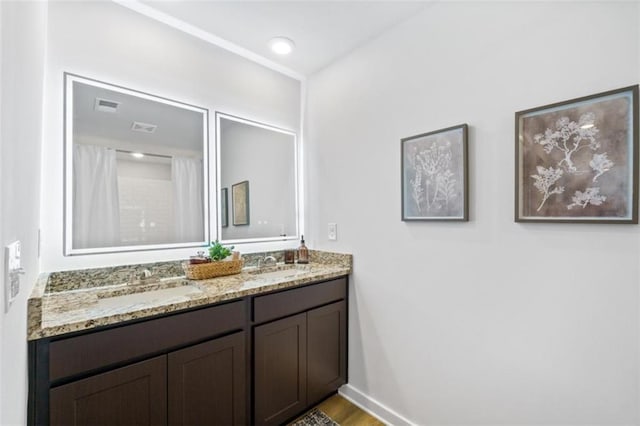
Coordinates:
[203,271]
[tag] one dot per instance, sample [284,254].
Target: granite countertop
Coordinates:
[64,302]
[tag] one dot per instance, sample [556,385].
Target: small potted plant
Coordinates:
[222,261]
[219,252]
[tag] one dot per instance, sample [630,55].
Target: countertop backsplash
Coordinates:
[68,301]
[100,277]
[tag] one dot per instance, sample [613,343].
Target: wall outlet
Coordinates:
[13,270]
[333,232]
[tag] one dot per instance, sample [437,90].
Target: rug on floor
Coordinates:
[315,417]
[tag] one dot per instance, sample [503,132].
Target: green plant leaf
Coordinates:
[219,252]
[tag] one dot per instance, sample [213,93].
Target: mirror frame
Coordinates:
[68,249]
[221,115]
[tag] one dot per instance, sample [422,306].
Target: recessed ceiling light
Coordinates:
[281,45]
[137,154]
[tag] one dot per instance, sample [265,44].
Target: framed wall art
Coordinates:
[577,161]
[224,207]
[435,175]
[240,200]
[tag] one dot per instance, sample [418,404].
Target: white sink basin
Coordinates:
[285,273]
[165,295]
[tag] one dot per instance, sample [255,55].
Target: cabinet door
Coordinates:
[326,350]
[207,383]
[132,395]
[280,369]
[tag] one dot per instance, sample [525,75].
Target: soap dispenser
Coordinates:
[303,252]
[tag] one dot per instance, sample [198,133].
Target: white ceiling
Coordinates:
[323,31]
[179,131]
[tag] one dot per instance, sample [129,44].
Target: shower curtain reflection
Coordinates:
[96,210]
[186,175]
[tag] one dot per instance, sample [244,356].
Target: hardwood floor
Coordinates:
[346,414]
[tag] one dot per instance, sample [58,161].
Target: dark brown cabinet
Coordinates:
[299,360]
[280,369]
[203,384]
[326,350]
[207,383]
[262,359]
[134,395]
[183,369]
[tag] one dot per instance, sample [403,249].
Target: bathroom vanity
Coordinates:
[260,347]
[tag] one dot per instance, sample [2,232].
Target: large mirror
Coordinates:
[135,170]
[257,181]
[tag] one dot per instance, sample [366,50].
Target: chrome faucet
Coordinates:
[267,261]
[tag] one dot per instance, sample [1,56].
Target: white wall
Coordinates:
[22,57]
[2,50]
[108,42]
[486,322]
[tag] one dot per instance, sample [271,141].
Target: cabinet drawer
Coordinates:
[281,304]
[103,348]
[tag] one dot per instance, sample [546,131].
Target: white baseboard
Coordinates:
[373,407]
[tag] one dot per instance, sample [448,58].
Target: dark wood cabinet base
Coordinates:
[261,360]
[298,361]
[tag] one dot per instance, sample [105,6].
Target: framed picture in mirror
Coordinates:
[224,207]
[240,196]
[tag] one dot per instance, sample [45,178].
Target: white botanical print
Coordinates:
[445,187]
[589,196]
[434,175]
[576,160]
[433,182]
[569,137]
[417,192]
[544,180]
[600,164]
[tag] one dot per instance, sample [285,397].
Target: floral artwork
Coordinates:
[240,203]
[434,172]
[577,160]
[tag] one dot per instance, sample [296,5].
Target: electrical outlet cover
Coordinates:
[333,231]
[13,269]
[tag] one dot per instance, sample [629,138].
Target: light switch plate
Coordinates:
[333,231]
[13,270]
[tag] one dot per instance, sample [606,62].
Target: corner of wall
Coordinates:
[22,57]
